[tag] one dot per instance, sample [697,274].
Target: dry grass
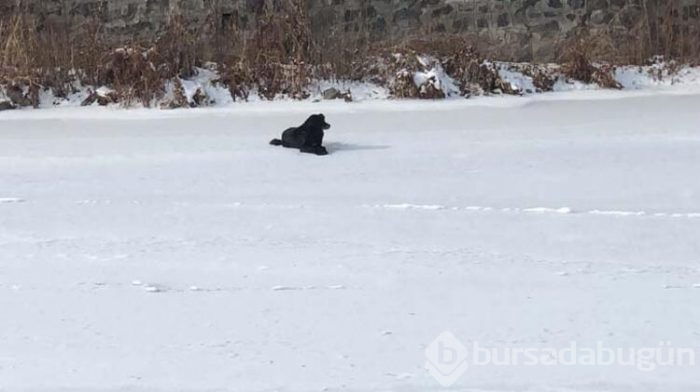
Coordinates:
[279,52]
[666,29]
[18,44]
[133,76]
[177,51]
[278,55]
[577,58]
[394,65]
[17,48]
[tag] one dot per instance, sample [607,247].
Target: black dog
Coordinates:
[307,138]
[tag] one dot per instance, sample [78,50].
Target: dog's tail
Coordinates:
[276,142]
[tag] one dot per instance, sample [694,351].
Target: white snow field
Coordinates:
[177,251]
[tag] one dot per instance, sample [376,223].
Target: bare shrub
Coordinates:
[290,80]
[18,45]
[278,52]
[665,28]
[140,72]
[604,76]
[238,79]
[542,78]
[22,91]
[577,56]
[464,63]
[132,75]
[17,48]
[177,50]
[47,56]
[396,68]
[179,99]
[394,65]
[87,47]
[400,81]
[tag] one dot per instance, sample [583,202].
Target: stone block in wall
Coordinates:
[508,25]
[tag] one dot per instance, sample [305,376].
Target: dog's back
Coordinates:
[288,138]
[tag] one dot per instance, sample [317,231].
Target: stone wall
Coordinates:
[512,29]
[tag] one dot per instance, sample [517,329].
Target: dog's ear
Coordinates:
[310,120]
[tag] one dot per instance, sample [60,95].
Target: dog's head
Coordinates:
[319,121]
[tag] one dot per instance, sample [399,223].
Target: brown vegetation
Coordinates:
[578,54]
[279,56]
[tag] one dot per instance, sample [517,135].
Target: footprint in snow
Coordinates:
[408,206]
[672,286]
[310,287]
[293,288]
[155,288]
[284,288]
[10,200]
[400,377]
[150,287]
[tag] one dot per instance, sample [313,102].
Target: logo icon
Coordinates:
[446,359]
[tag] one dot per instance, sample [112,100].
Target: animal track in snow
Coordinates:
[150,287]
[681,286]
[155,288]
[544,210]
[538,210]
[285,288]
[414,206]
[293,288]
[10,200]
[93,202]
[311,287]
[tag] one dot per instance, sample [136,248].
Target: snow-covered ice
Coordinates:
[177,251]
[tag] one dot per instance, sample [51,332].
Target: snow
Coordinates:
[203,80]
[146,250]
[435,76]
[360,91]
[651,78]
[518,81]
[657,76]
